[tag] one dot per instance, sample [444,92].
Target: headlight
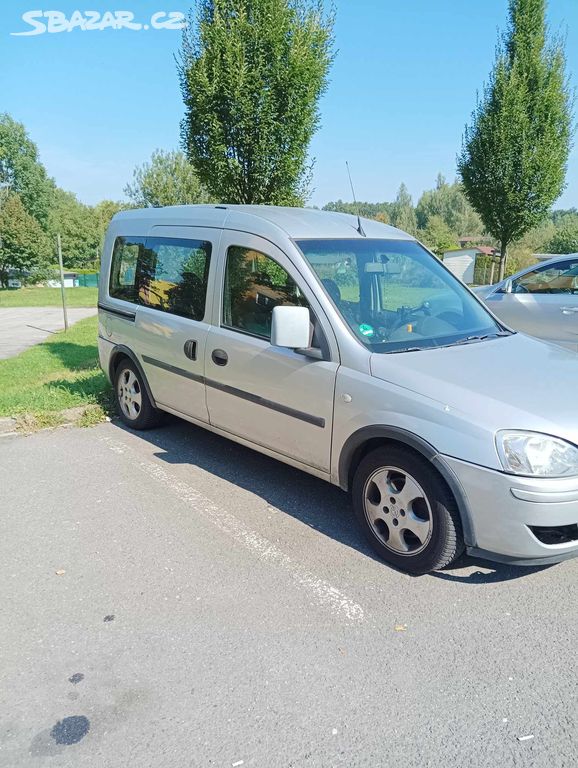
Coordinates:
[531,453]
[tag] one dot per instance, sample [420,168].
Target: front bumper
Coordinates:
[516,519]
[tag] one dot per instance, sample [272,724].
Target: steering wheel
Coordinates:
[406,314]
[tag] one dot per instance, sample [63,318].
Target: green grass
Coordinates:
[47,297]
[62,372]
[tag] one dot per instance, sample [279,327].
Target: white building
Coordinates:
[462,261]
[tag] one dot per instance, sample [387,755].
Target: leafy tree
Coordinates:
[76,224]
[535,241]
[103,213]
[81,227]
[168,179]
[403,212]
[23,244]
[564,214]
[564,241]
[438,236]
[22,171]
[252,73]
[448,202]
[565,219]
[515,152]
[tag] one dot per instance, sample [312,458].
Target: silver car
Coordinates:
[541,300]
[346,349]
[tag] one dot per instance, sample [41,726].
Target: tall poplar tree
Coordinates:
[515,150]
[252,73]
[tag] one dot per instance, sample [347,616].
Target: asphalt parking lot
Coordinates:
[173,599]
[21,327]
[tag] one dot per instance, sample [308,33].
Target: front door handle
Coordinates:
[190,349]
[220,357]
[569,310]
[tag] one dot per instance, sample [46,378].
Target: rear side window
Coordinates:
[125,257]
[254,285]
[167,274]
[173,276]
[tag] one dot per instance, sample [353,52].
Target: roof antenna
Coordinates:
[359,227]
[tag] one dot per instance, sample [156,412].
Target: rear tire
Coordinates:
[132,401]
[406,511]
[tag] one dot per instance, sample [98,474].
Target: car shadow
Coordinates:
[491,573]
[92,387]
[73,356]
[314,502]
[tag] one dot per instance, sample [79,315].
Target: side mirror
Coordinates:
[507,286]
[290,327]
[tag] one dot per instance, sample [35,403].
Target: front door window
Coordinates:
[254,285]
[561,277]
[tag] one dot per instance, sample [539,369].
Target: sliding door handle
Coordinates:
[220,357]
[190,349]
[569,310]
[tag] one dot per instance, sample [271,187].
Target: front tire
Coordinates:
[406,511]
[132,401]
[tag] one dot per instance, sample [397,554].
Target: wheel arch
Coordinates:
[366,439]
[116,356]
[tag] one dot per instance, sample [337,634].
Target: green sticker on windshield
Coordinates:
[366,330]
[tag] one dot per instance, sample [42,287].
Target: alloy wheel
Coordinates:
[129,394]
[398,511]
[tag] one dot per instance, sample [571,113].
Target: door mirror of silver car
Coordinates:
[290,327]
[506,286]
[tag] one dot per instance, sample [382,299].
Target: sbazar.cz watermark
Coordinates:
[52,22]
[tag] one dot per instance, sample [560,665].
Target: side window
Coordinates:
[123,268]
[173,274]
[553,278]
[254,284]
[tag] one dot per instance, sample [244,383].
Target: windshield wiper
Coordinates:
[473,339]
[406,349]
[467,340]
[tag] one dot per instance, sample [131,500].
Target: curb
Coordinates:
[7,427]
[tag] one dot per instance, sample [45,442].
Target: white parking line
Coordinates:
[322,592]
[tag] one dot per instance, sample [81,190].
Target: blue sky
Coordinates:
[404,82]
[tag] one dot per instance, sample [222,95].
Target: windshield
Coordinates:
[395,296]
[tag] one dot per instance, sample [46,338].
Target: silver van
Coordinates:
[344,348]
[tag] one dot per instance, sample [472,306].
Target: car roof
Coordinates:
[296,223]
[558,257]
